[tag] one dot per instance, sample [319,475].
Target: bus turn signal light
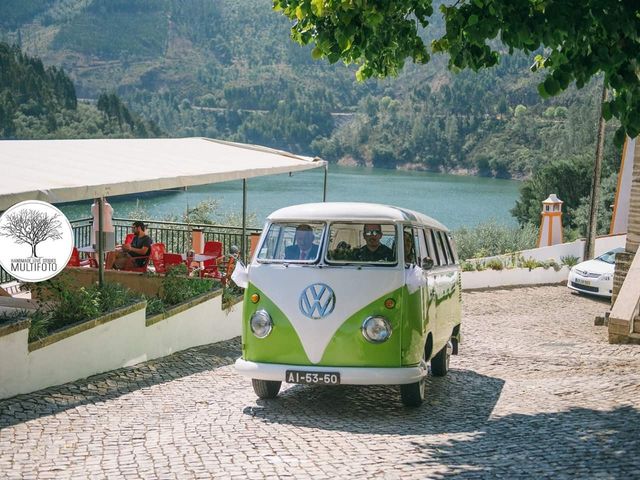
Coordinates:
[255,298]
[389,303]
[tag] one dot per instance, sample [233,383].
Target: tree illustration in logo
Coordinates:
[32,227]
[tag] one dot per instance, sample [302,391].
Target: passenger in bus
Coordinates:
[304,248]
[373,250]
[409,250]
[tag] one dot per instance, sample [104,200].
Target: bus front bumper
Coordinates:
[348,375]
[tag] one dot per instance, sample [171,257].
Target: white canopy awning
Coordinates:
[70,170]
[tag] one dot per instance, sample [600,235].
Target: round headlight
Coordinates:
[261,323]
[376,329]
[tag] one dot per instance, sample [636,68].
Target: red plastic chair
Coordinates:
[75,261]
[171,260]
[210,267]
[157,257]
[213,248]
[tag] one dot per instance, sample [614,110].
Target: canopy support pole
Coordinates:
[324,187]
[99,242]
[244,221]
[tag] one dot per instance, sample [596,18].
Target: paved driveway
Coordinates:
[536,392]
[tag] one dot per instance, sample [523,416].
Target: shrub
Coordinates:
[67,304]
[569,261]
[531,263]
[7,317]
[468,266]
[491,238]
[154,306]
[495,264]
[551,263]
[178,287]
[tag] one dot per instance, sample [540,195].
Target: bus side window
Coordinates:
[424,248]
[452,247]
[445,247]
[439,258]
[409,245]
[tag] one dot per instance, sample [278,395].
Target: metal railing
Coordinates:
[176,236]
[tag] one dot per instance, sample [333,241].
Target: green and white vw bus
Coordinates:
[350,293]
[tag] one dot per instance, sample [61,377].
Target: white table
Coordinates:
[90,249]
[199,257]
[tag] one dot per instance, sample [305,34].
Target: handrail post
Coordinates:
[324,187]
[99,242]
[244,220]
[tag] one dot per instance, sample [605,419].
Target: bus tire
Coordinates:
[440,362]
[412,394]
[266,388]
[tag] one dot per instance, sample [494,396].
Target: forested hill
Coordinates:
[227,69]
[39,102]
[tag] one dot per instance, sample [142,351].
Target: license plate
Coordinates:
[583,282]
[316,378]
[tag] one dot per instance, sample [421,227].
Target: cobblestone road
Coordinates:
[536,392]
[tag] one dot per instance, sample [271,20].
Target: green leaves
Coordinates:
[317,7]
[551,86]
[581,38]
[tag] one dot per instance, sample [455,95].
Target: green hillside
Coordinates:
[227,69]
[40,102]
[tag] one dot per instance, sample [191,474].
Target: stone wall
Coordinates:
[619,328]
[623,262]
[633,237]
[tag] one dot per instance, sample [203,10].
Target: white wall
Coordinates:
[516,276]
[575,248]
[121,342]
[522,276]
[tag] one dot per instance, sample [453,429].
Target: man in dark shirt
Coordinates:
[137,253]
[373,250]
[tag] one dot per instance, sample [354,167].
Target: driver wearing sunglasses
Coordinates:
[373,250]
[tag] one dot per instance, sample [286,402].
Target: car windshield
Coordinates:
[610,256]
[371,243]
[292,242]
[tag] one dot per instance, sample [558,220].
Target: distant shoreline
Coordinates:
[420,167]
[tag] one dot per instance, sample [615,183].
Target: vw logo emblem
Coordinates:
[317,301]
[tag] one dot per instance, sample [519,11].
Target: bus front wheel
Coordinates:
[412,394]
[266,388]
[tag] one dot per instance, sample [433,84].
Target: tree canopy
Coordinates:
[574,40]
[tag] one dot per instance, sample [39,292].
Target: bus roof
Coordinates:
[353,212]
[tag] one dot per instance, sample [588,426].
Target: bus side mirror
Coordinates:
[427,263]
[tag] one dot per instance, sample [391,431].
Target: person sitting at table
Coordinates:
[134,255]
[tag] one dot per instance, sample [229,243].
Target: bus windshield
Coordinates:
[371,243]
[292,242]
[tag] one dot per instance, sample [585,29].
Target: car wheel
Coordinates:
[440,362]
[412,394]
[266,388]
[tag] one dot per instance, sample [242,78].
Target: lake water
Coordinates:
[454,200]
